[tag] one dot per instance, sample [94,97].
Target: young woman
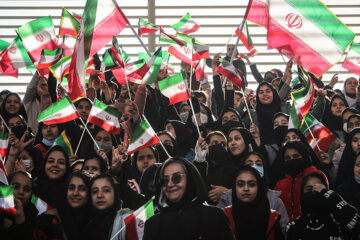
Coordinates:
[94,164]
[107,216]
[324,214]
[250,214]
[180,193]
[46,136]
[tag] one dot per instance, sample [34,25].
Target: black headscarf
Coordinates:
[6,115]
[52,191]
[37,159]
[195,193]
[184,139]
[251,219]
[225,128]
[332,122]
[135,171]
[266,112]
[102,163]
[148,176]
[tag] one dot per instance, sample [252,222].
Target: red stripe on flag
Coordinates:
[194,29]
[258,13]
[104,125]
[145,30]
[154,140]
[179,97]
[66,31]
[35,54]
[10,211]
[119,75]
[69,118]
[131,230]
[351,67]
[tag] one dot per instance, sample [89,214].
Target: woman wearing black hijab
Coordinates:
[12,106]
[180,193]
[250,214]
[50,186]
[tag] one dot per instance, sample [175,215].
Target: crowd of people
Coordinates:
[235,171]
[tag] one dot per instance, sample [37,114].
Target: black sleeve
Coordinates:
[229,98]
[255,72]
[52,85]
[202,168]
[219,94]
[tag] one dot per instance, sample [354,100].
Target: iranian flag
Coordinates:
[69,25]
[120,55]
[174,88]
[3,45]
[186,25]
[14,57]
[119,75]
[59,112]
[40,205]
[146,27]
[144,136]
[164,37]
[199,51]
[352,61]
[306,31]
[4,142]
[246,39]
[182,53]
[49,58]
[228,70]
[3,173]
[37,35]
[295,117]
[304,97]
[136,221]
[7,204]
[58,71]
[105,117]
[69,44]
[63,141]
[200,70]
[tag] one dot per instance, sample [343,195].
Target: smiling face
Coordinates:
[246,187]
[55,166]
[77,192]
[102,194]
[12,105]
[236,143]
[337,106]
[174,192]
[22,187]
[265,95]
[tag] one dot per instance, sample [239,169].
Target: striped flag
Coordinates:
[59,112]
[144,136]
[200,51]
[63,141]
[56,68]
[69,25]
[40,205]
[119,75]
[352,61]
[7,204]
[49,58]
[3,173]
[105,117]
[136,221]
[174,88]
[200,70]
[186,25]
[304,97]
[69,44]
[4,142]
[3,45]
[14,57]
[306,31]
[246,39]
[120,55]
[228,70]
[37,35]
[296,118]
[146,27]
[182,53]
[164,37]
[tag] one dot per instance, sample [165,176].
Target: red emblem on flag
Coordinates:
[141,224]
[12,50]
[107,117]
[187,50]
[58,115]
[293,20]
[358,60]
[181,86]
[39,37]
[141,141]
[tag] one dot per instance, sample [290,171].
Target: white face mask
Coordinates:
[204,118]
[184,116]
[345,127]
[27,164]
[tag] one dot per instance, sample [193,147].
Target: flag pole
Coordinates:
[7,127]
[246,105]
[191,66]
[158,138]
[82,135]
[137,36]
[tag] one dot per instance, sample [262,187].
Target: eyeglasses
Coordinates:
[175,179]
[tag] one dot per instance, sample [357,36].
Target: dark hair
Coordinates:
[278,114]
[318,175]
[12,175]
[83,99]
[169,134]
[83,176]
[213,133]
[102,163]
[261,188]
[153,149]
[111,180]
[59,149]
[350,109]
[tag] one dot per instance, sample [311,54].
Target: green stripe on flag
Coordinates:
[106,108]
[57,106]
[182,21]
[6,191]
[149,209]
[310,122]
[173,80]
[139,131]
[142,21]
[35,26]
[3,45]
[89,19]
[320,15]
[4,135]
[25,56]
[108,60]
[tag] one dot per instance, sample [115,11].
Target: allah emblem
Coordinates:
[141,141]
[358,60]
[181,86]
[107,117]
[141,224]
[294,21]
[39,37]
[187,50]
[12,50]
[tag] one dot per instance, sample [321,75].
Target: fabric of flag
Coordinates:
[63,141]
[352,61]
[119,75]
[132,68]
[157,65]
[228,70]
[246,39]
[4,142]
[144,136]
[146,27]
[305,97]
[199,51]
[49,58]
[3,45]
[164,37]
[200,70]
[186,25]
[59,112]
[105,117]
[305,31]
[108,60]
[136,221]
[15,57]
[69,44]
[37,35]
[296,118]
[182,53]
[40,205]
[7,204]
[69,25]
[120,51]
[174,88]
[3,173]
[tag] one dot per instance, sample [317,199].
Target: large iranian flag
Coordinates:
[306,31]
[105,117]
[37,35]
[352,61]
[186,25]
[174,88]
[144,136]
[182,53]
[7,204]
[136,221]
[59,112]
